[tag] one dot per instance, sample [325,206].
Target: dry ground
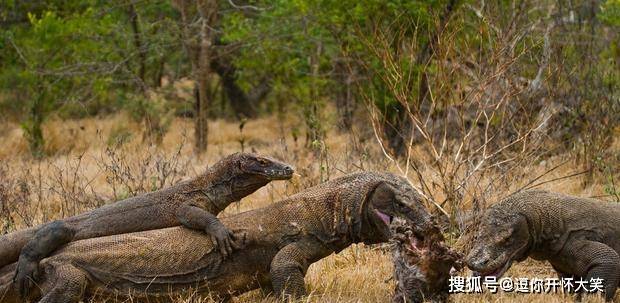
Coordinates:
[87,169]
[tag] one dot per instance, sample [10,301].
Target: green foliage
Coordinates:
[77,57]
[48,60]
[610,12]
[81,58]
[299,43]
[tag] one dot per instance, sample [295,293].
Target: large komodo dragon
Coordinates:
[193,203]
[280,242]
[580,237]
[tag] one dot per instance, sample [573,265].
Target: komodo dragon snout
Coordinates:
[501,239]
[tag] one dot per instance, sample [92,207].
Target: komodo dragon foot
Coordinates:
[44,242]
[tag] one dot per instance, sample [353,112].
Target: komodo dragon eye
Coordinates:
[504,235]
[263,162]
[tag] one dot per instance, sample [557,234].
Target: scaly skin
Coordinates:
[193,204]
[280,242]
[580,237]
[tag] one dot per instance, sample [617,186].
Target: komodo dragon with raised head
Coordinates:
[193,204]
[280,242]
[580,237]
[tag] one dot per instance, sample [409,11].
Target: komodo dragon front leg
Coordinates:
[194,217]
[591,259]
[290,264]
[46,240]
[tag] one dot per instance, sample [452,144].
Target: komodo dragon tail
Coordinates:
[11,244]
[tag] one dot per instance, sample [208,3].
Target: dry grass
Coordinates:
[80,175]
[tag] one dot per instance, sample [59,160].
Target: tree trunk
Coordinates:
[201,126]
[138,43]
[245,105]
[198,47]
[33,129]
[345,104]
[314,132]
[238,99]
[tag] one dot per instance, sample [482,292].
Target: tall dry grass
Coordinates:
[100,160]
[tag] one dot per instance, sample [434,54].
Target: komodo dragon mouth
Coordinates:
[415,238]
[278,173]
[387,219]
[499,270]
[496,272]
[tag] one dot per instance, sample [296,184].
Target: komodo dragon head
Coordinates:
[502,238]
[391,204]
[263,167]
[243,173]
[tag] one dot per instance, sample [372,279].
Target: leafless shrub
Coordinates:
[152,170]
[21,194]
[73,187]
[48,189]
[468,123]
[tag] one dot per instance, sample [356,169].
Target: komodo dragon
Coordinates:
[193,203]
[280,242]
[580,237]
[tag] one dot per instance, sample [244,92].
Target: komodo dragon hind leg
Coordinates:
[595,260]
[70,283]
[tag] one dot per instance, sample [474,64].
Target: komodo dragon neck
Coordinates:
[536,217]
[544,212]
